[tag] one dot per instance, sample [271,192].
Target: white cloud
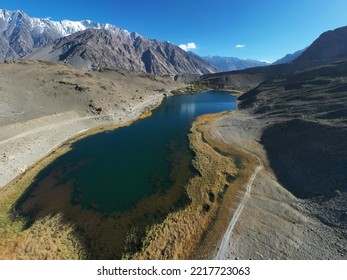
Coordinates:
[239,46]
[188,47]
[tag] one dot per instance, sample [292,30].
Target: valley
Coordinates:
[262,176]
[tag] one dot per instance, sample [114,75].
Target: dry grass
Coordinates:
[46,238]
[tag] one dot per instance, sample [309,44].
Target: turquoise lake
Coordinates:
[112,171]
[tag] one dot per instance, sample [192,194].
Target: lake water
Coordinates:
[112,171]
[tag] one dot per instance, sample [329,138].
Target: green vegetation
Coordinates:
[193,88]
[338,193]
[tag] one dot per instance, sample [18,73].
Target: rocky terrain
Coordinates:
[295,126]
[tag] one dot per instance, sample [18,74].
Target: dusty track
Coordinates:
[224,246]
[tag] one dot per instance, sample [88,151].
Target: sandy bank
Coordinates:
[23,144]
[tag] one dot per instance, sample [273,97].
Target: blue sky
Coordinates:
[256,29]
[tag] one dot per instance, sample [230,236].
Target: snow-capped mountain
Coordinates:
[21,33]
[90,45]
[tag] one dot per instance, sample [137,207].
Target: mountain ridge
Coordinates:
[225,64]
[93,49]
[329,46]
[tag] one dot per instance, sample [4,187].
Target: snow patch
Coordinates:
[68,27]
[58,28]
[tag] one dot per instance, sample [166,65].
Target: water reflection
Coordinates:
[188,109]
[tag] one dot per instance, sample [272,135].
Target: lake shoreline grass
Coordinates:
[13,229]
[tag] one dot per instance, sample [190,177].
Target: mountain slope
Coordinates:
[289,57]
[92,49]
[330,46]
[232,63]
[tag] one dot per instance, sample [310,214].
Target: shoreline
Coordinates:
[218,226]
[15,229]
[17,186]
[182,233]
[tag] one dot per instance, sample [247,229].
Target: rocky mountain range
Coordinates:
[92,49]
[92,45]
[224,64]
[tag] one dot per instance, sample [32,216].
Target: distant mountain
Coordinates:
[91,45]
[330,46]
[225,64]
[289,57]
